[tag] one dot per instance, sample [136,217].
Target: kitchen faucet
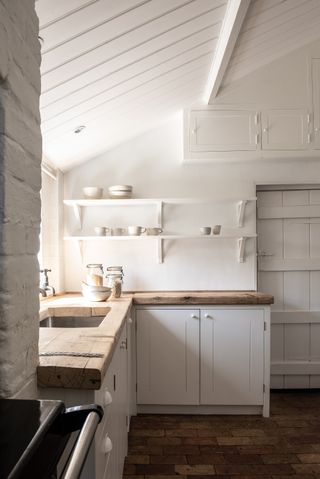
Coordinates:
[44,285]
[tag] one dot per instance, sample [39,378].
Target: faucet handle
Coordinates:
[45,270]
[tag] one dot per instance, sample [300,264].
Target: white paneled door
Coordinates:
[289,268]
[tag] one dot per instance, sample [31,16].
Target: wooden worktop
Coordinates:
[202,297]
[81,372]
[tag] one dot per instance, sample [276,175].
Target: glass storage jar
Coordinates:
[94,274]
[114,281]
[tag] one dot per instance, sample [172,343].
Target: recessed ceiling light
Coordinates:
[79,129]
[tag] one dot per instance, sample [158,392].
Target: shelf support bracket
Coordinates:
[241,248]
[160,250]
[160,214]
[241,208]
[80,248]
[78,214]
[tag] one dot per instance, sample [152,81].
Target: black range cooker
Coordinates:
[43,439]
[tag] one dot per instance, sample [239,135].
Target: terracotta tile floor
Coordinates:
[284,446]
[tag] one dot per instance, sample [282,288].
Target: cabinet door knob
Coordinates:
[208,316]
[107,398]
[106,445]
[194,316]
[129,320]
[123,344]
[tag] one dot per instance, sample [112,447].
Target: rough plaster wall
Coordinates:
[20,177]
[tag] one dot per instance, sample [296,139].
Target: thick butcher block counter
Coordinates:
[202,297]
[81,372]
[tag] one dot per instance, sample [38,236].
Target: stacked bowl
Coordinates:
[120,191]
[95,293]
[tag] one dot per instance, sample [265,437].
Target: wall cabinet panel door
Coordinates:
[232,356]
[285,129]
[223,130]
[316,100]
[168,356]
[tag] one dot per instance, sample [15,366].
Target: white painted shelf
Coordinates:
[158,203]
[240,205]
[241,240]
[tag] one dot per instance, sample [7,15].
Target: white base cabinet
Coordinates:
[211,357]
[167,356]
[109,448]
[232,356]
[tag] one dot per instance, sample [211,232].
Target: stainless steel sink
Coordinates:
[71,321]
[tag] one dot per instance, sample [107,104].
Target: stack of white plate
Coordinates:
[120,191]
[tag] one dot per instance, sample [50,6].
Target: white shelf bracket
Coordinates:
[241,249]
[160,214]
[80,248]
[77,209]
[160,250]
[241,208]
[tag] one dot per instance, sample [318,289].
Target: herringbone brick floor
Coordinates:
[284,446]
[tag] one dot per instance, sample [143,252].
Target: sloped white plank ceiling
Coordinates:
[119,67]
[272,29]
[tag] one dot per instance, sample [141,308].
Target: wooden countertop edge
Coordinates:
[198,298]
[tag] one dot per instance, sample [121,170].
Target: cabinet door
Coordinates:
[223,130]
[232,352]
[316,100]
[168,356]
[285,129]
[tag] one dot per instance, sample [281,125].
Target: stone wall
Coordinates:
[20,182]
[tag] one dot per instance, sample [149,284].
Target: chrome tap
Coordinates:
[44,285]
[43,292]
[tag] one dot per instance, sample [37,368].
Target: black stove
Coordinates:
[34,434]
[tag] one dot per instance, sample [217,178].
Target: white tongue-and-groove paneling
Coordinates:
[115,64]
[121,64]
[289,268]
[271,29]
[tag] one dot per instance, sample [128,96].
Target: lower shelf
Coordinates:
[240,239]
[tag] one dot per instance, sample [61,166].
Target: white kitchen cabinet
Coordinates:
[107,453]
[285,129]
[168,356]
[214,359]
[316,100]
[222,130]
[232,356]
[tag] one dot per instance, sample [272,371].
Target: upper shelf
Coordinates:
[158,202]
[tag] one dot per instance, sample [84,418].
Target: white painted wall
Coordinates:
[51,256]
[152,163]
[20,181]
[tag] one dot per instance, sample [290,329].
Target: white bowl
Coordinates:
[92,192]
[120,188]
[93,288]
[120,194]
[95,295]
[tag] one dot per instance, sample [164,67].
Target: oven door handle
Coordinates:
[82,446]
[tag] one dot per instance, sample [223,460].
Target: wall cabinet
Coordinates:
[285,129]
[223,130]
[214,356]
[225,133]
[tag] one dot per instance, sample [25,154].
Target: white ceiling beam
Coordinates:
[235,14]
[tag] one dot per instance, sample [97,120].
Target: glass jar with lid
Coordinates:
[94,274]
[114,281]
